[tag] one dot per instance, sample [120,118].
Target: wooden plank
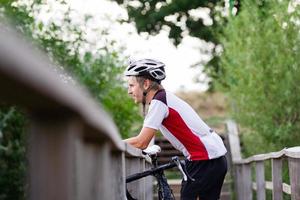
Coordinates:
[234,141]
[238,182]
[117,172]
[262,157]
[93,170]
[293,152]
[277,178]
[132,151]
[260,180]
[51,158]
[148,184]
[246,181]
[142,184]
[294,172]
[133,165]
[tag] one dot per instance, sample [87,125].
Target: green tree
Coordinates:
[180,18]
[262,71]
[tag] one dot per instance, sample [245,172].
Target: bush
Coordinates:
[12,153]
[262,72]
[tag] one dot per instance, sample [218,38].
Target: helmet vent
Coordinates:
[151,64]
[131,67]
[140,69]
[159,73]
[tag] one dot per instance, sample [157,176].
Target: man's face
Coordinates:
[134,89]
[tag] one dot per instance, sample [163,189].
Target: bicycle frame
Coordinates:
[164,190]
[149,172]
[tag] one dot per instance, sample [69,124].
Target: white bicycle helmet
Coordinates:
[149,68]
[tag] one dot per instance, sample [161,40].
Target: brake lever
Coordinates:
[147,158]
[177,162]
[185,175]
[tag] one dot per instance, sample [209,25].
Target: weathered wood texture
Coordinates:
[242,171]
[75,150]
[277,178]
[294,170]
[144,184]
[260,180]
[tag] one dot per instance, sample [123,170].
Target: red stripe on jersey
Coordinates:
[175,124]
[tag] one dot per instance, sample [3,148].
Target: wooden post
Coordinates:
[51,158]
[118,175]
[93,170]
[234,141]
[247,182]
[148,184]
[142,184]
[294,172]
[260,180]
[132,167]
[277,178]
[239,184]
[235,155]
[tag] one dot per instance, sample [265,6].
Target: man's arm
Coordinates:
[143,139]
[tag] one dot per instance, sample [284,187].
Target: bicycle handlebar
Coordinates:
[175,162]
[152,171]
[152,153]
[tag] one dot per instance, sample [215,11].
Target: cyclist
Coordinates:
[178,122]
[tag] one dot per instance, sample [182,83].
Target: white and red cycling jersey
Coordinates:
[183,127]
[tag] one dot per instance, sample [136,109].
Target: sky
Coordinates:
[178,60]
[106,16]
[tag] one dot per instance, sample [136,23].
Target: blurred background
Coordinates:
[229,59]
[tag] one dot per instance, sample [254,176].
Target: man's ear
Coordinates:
[146,84]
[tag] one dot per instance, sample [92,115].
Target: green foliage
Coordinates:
[103,77]
[12,153]
[153,16]
[100,70]
[262,73]
[150,16]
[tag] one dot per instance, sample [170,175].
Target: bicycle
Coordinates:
[164,190]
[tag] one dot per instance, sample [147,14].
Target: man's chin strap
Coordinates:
[145,92]
[144,103]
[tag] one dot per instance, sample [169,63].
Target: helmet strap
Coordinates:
[144,103]
[145,92]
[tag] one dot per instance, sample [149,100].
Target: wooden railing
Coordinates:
[242,171]
[74,149]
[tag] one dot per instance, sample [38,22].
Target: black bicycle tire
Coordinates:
[164,190]
[128,195]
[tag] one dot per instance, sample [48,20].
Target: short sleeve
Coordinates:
[157,112]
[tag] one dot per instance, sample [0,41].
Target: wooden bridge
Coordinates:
[75,151]
[243,170]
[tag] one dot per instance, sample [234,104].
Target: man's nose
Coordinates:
[129,91]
